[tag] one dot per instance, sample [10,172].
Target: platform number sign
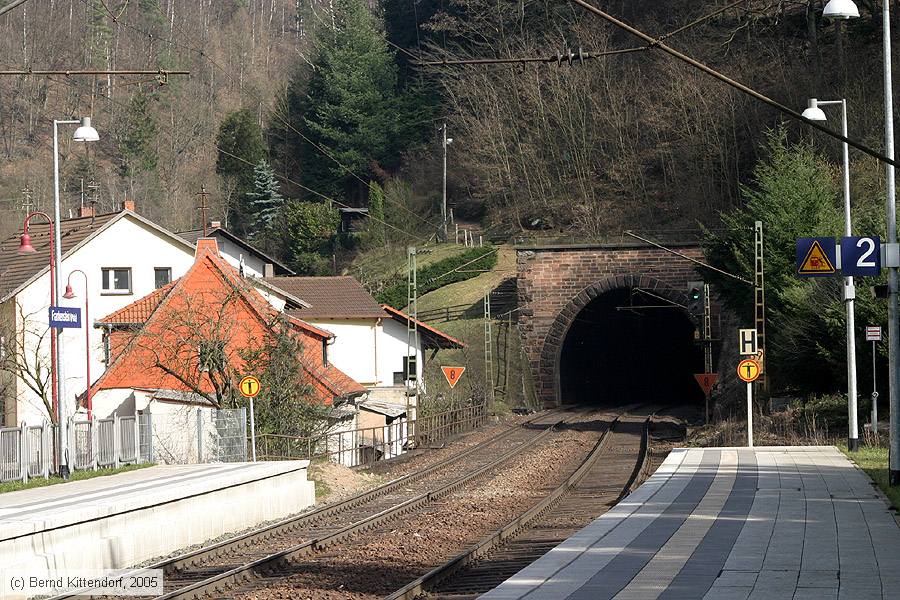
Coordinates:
[249,386]
[453,374]
[861,256]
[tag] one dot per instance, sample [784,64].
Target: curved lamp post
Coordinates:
[814,113]
[69,295]
[25,247]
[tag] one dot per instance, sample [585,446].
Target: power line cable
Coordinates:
[11,6]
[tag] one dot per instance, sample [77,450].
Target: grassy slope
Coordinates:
[384,263]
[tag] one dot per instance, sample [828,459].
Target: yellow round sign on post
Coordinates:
[249,386]
[748,370]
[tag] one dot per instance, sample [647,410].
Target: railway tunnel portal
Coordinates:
[611,323]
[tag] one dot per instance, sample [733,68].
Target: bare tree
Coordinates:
[25,358]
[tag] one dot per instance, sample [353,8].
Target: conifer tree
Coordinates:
[264,200]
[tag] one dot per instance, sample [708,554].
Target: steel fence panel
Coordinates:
[83,434]
[105,438]
[128,444]
[10,454]
[228,438]
[145,434]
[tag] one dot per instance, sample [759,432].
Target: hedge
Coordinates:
[463,266]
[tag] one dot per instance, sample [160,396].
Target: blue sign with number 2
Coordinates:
[861,256]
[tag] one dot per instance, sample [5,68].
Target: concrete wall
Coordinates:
[127,529]
[126,243]
[556,282]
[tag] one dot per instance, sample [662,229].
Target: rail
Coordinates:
[512,529]
[228,579]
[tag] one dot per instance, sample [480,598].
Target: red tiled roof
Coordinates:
[431,337]
[160,340]
[339,297]
[139,311]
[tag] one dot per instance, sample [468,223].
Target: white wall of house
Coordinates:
[369,350]
[253,265]
[126,243]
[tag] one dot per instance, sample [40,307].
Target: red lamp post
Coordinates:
[25,247]
[87,336]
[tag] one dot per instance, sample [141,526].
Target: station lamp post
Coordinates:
[847,9]
[69,295]
[814,113]
[25,247]
[84,133]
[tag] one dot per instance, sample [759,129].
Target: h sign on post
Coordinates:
[747,342]
[64,317]
[861,256]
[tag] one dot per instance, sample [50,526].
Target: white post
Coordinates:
[749,415]
[199,437]
[23,452]
[137,438]
[92,442]
[46,445]
[849,296]
[456,226]
[891,210]
[252,431]
[874,393]
[117,446]
[444,194]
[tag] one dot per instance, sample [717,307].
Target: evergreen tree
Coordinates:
[264,200]
[137,137]
[241,148]
[348,105]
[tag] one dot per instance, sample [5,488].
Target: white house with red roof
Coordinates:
[124,256]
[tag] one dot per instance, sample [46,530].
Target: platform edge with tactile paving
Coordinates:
[767,523]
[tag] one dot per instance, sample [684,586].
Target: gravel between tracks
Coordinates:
[387,558]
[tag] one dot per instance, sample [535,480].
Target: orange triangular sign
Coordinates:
[816,261]
[453,374]
[706,381]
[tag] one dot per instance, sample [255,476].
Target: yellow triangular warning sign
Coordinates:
[816,261]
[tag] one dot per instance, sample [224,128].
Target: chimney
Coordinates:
[128,205]
[268,270]
[86,211]
[215,224]
[206,246]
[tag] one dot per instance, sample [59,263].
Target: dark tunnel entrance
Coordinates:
[629,345]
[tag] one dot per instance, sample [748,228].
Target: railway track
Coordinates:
[588,492]
[213,569]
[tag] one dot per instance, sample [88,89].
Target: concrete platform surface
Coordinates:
[770,523]
[122,520]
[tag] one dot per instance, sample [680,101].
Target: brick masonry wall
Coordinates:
[555,283]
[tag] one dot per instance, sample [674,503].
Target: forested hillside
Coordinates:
[295,107]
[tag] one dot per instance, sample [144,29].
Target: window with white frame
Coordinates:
[116,280]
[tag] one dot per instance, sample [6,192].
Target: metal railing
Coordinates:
[196,436]
[367,445]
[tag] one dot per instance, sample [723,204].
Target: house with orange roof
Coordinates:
[185,345]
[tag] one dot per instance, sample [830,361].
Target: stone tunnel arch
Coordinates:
[608,291]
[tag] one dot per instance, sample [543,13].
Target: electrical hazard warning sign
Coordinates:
[816,257]
[453,374]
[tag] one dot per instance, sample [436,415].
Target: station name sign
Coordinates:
[64,317]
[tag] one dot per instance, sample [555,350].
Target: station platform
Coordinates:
[769,523]
[123,520]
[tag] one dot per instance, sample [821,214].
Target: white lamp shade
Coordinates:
[86,133]
[814,113]
[841,9]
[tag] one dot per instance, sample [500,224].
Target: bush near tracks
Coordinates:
[461,267]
